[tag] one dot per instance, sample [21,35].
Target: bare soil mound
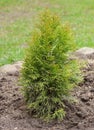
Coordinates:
[14,115]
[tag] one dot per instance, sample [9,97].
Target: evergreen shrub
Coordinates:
[48,74]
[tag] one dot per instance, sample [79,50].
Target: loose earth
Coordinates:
[14,114]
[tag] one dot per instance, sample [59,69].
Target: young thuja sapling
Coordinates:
[48,74]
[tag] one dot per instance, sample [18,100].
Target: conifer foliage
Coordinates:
[48,74]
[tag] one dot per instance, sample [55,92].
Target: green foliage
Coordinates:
[48,74]
[14,33]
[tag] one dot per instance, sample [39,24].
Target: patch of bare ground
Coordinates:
[14,115]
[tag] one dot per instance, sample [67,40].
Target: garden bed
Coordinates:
[14,115]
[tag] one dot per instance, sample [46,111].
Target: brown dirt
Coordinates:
[14,116]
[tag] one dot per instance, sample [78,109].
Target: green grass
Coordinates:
[17,18]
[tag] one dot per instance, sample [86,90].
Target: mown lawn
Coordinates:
[17,18]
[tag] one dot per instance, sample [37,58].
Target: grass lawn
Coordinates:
[17,18]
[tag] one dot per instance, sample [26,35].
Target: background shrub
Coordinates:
[48,74]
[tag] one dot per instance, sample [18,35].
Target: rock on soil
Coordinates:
[85,53]
[14,115]
[11,69]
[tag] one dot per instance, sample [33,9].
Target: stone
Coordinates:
[85,53]
[11,69]
[8,69]
[18,64]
